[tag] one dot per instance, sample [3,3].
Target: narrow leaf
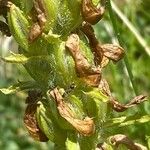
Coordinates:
[25,85]
[15,58]
[127,120]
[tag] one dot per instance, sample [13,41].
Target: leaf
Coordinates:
[39,67]
[104,87]
[71,142]
[126,121]
[88,142]
[96,104]
[18,25]
[97,94]
[51,38]
[44,121]
[15,58]
[20,86]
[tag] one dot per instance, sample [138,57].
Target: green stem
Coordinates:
[126,62]
[133,30]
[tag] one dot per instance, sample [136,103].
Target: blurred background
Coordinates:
[135,34]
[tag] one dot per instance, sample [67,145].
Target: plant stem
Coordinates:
[126,62]
[131,28]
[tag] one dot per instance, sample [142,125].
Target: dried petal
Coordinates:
[112,51]
[32,125]
[122,107]
[104,52]
[94,44]
[39,7]
[37,27]
[104,87]
[86,127]
[91,13]
[30,120]
[104,61]
[123,139]
[92,80]
[137,100]
[89,73]
[35,32]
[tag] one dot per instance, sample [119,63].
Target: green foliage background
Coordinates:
[14,136]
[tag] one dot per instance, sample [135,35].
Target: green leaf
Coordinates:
[26,5]
[44,121]
[71,142]
[20,86]
[88,143]
[19,26]
[39,67]
[126,120]
[95,2]
[15,58]
[76,106]
[52,38]
[96,94]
